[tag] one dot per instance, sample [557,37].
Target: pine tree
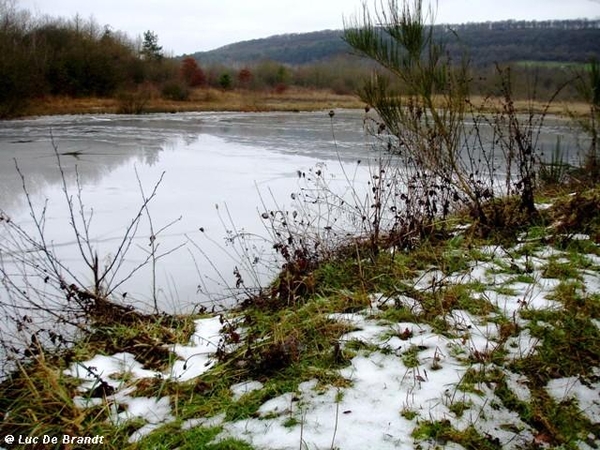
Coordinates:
[150,48]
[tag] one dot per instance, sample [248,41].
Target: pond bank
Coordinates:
[291,99]
[461,342]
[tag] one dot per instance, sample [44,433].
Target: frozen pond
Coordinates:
[221,172]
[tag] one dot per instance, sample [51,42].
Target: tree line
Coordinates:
[42,57]
[75,57]
[45,57]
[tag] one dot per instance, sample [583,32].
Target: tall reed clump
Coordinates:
[456,153]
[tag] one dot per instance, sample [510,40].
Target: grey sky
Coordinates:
[186,26]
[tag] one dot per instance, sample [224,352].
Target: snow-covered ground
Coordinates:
[388,395]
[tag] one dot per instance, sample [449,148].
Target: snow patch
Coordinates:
[588,397]
[241,389]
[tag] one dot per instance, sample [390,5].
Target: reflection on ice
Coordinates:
[218,171]
[241,163]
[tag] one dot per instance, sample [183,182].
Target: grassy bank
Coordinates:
[292,99]
[461,341]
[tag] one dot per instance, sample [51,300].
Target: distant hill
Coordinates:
[298,48]
[562,41]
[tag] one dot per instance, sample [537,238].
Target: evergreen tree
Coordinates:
[150,48]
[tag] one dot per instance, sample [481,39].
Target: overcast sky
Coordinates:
[186,26]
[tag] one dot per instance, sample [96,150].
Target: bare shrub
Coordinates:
[47,300]
[454,149]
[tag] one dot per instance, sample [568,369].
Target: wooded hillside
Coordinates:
[563,41]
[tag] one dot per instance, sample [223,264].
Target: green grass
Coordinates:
[397,314]
[410,357]
[441,432]
[568,346]
[560,270]
[38,400]
[459,408]
[460,296]
[472,381]
[569,340]
[578,247]
[172,436]
[285,343]
[506,290]
[409,414]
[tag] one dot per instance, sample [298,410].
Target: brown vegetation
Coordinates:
[212,99]
[204,99]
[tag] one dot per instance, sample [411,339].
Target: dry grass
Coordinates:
[293,99]
[558,108]
[67,105]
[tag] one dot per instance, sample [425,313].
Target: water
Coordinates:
[221,172]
